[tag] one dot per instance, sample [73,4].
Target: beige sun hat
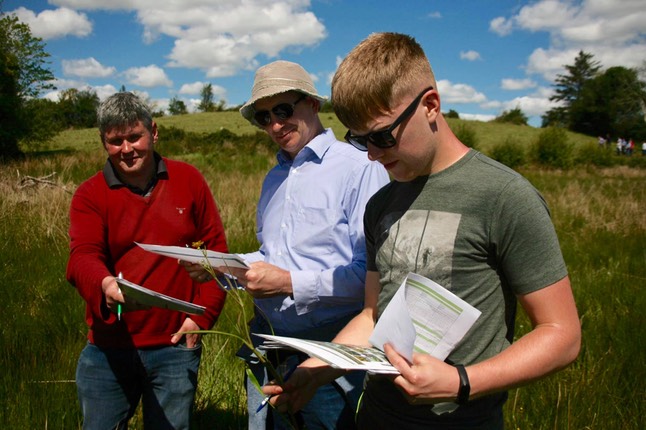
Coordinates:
[275,78]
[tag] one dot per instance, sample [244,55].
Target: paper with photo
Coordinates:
[422,317]
[336,355]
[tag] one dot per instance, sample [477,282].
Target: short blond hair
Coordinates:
[376,74]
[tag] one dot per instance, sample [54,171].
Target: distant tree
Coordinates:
[23,75]
[569,87]
[122,89]
[611,103]
[206,102]
[452,114]
[78,107]
[327,107]
[177,107]
[33,76]
[513,116]
[46,119]
[12,124]
[555,117]
[221,106]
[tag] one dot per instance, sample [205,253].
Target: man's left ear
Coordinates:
[431,101]
[154,132]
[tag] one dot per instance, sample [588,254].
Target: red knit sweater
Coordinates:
[104,226]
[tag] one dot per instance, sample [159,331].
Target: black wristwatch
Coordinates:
[465,387]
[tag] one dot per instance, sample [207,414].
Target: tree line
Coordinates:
[592,101]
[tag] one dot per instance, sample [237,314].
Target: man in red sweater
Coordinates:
[139,197]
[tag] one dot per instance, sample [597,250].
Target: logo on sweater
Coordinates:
[180,210]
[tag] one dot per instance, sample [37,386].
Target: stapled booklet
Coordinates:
[149,297]
[422,316]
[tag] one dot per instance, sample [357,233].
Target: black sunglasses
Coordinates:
[282,111]
[384,138]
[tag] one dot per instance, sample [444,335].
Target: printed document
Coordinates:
[153,298]
[422,317]
[214,258]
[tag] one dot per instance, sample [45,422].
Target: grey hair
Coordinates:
[122,109]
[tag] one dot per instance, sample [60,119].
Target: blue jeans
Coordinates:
[332,407]
[111,382]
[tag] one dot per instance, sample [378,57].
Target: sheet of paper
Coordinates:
[395,326]
[422,316]
[215,259]
[337,355]
[149,297]
[441,318]
[438,318]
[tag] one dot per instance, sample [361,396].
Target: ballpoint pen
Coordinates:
[267,398]
[119,304]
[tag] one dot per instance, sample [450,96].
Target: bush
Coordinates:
[552,148]
[509,153]
[452,114]
[593,154]
[514,116]
[467,135]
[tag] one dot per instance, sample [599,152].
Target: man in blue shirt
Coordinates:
[308,275]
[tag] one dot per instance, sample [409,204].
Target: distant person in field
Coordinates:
[308,275]
[465,221]
[142,197]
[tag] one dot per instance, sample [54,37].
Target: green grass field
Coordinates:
[598,213]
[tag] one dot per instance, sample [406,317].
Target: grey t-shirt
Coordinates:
[480,230]
[477,228]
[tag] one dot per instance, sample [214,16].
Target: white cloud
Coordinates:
[612,30]
[219,93]
[459,93]
[53,24]
[470,55]
[192,88]
[476,116]
[222,38]
[435,15]
[517,84]
[86,68]
[219,37]
[104,91]
[501,26]
[149,76]
[531,106]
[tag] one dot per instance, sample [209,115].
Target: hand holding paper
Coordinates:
[421,317]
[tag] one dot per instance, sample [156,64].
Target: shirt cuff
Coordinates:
[305,290]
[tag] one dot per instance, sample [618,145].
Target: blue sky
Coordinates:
[488,55]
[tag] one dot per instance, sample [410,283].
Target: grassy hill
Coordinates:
[488,133]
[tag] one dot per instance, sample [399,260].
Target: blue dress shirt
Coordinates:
[310,222]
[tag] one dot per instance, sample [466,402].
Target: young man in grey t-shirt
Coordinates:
[461,219]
